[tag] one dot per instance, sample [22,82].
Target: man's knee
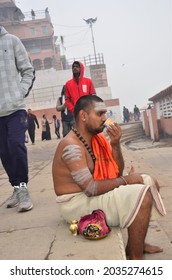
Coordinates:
[148,200]
[149,180]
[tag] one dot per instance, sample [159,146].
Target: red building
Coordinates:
[35,31]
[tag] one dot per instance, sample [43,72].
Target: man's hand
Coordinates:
[115,133]
[133,178]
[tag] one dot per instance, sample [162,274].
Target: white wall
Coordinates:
[48,85]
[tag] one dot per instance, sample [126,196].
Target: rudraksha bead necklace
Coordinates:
[84,142]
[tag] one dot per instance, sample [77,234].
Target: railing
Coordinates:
[87,60]
[39,14]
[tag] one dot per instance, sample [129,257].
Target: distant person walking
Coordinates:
[66,115]
[56,126]
[136,113]
[77,86]
[47,15]
[32,122]
[16,80]
[126,115]
[46,134]
[33,14]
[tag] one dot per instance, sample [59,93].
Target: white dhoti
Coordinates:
[120,205]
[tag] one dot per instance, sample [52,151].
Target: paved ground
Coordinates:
[41,233]
[155,159]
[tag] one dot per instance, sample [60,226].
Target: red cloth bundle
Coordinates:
[93,226]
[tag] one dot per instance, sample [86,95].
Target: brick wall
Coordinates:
[166,125]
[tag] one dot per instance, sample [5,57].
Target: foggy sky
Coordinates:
[135,37]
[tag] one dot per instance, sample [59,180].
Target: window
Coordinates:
[32,29]
[44,29]
[166,106]
[37,64]
[48,63]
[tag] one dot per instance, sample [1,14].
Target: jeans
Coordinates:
[67,127]
[13,152]
[31,131]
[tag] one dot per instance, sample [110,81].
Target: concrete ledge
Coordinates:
[78,248]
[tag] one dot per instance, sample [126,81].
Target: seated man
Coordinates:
[87,175]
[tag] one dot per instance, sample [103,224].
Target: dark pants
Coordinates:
[31,131]
[57,132]
[67,127]
[13,152]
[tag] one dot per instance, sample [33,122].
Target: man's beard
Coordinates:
[94,131]
[76,75]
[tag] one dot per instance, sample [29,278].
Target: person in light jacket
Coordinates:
[16,80]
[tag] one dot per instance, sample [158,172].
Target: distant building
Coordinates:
[36,31]
[113,110]
[157,119]
[163,104]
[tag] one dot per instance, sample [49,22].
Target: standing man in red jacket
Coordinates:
[77,86]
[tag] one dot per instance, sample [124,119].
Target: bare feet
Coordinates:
[148,249]
[151,249]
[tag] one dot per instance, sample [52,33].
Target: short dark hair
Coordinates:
[85,103]
[77,63]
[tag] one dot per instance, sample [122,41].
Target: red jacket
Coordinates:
[74,91]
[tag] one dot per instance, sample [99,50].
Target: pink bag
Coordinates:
[93,226]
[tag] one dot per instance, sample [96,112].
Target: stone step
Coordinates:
[109,248]
[132,131]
